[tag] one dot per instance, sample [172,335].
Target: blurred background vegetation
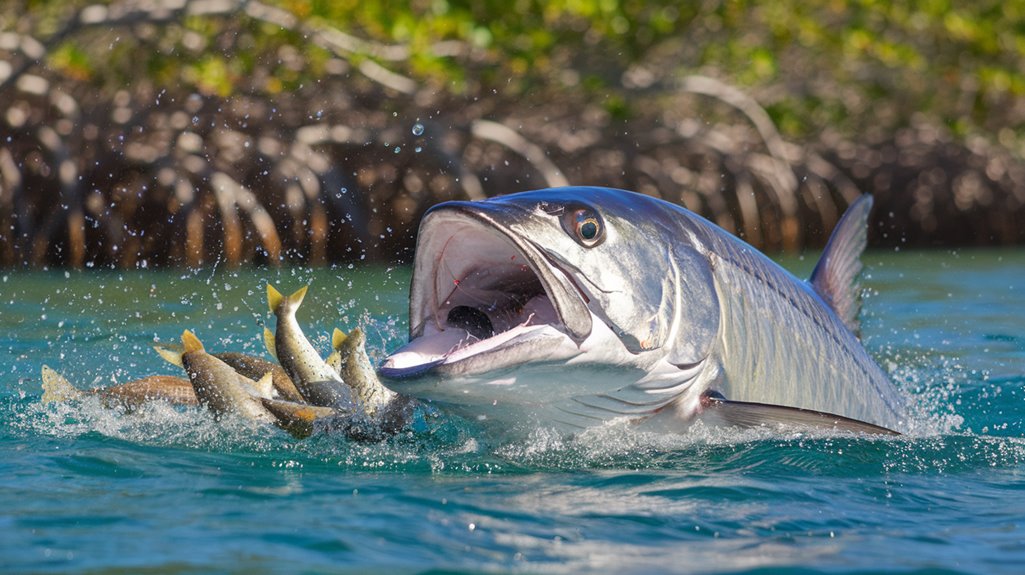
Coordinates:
[178,132]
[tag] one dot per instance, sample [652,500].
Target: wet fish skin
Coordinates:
[248,366]
[256,367]
[131,395]
[356,370]
[299,419]
[318,383]
[607,304]
[128,396]
[217,385]
[391,410]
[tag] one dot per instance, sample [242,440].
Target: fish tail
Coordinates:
[56,388]
[171,353]
[270,343]
[265,385]
[274,298]
[352,342]
[297,296]
[338,338]
[191,342]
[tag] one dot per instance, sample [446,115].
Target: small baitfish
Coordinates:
[318,383]
[390,410]
[248,366]
[220,388]
[357,371]
[128,396]
[570,307]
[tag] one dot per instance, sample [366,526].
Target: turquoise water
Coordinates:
[88,490]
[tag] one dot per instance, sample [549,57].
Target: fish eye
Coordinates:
[585,226]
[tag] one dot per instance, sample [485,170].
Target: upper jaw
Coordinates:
[482,296]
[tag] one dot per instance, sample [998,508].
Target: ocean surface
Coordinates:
[86,489]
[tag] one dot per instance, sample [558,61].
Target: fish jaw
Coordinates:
[476,263]
[478,260]
[549,381]
[542,353]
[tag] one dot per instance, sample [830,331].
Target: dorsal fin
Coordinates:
[836,276]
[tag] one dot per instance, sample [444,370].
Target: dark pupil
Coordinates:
[589,229]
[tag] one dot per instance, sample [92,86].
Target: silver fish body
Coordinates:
[569,307]
[220,388]
[318,383]
[358,372]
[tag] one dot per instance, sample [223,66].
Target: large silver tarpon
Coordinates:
[574,306]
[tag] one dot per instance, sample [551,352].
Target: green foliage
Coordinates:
[814,64]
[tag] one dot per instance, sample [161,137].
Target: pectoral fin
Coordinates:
[748,414]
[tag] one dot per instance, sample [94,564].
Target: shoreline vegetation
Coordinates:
[162,133]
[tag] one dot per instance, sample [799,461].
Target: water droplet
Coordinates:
[418,129]
[418,149]
[398,149]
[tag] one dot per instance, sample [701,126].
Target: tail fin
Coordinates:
[270,343]
[265,385]
[274,298]
[337,339]
[171,352]
[191,342]
[296,299]
[334,359]
[352,342]
[56,388]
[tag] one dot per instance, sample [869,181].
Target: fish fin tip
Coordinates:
[338,338]
[171,353]
[269,343]
[334,361]
[296,298]
[274,298]
[265,385]
[836,275]
[56,388]
[190,342]
[750,414]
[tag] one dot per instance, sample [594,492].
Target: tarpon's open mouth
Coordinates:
[483,297]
